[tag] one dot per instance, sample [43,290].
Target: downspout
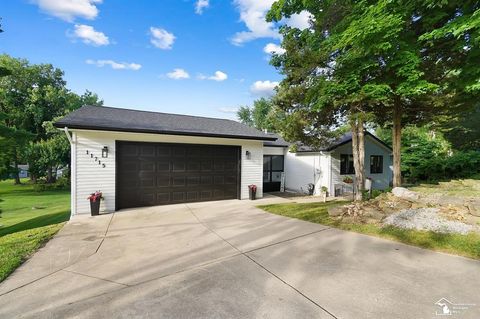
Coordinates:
[65,129]
[73,173]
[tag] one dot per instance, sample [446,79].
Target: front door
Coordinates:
[272,172]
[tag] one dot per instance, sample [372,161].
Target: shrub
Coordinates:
[42,186]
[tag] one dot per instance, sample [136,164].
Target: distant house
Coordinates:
[139,158]
[22,171]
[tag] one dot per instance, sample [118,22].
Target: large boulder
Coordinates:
[404,193]
[336,211]
[474,207]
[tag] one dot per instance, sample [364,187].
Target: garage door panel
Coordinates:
[164,150]
[147,150]
[193,180]
[178,166]
[163,181]
[156,173]
[163,166]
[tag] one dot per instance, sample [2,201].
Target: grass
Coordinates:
[28,220]
[463,245]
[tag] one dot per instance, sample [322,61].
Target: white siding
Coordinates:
[304,168]
[372,147]
[88,176]
[274,151]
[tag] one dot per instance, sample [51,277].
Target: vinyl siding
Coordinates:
[273,150]
[304,168]
[89,176]
[372,147]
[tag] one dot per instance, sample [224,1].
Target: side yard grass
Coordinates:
[463,245]
[28,220]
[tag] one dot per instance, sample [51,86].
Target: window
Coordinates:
[376,164]
[346,164]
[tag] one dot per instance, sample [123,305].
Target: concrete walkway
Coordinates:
[229,259]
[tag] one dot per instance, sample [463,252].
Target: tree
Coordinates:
[33,95]
[463,131]
[261,115]
[327,74]
[390,57]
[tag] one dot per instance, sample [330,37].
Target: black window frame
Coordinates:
[348,168]
[378,169]
[270,169]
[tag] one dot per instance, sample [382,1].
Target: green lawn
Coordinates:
[464,245]
[28,220]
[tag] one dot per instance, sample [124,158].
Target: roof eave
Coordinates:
[148,131]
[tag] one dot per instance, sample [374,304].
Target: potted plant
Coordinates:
[252,191]
[95,199]
[324,193]
[348,180]
[311,188]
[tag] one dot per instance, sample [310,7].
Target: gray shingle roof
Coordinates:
[280,142]
[344,139]
[124,120]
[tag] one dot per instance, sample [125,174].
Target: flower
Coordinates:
[95,196]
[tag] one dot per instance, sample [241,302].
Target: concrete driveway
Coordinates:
[229,259]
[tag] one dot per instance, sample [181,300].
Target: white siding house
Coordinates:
[138,158]
[323,168]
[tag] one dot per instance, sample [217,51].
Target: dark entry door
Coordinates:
[151,174]
[272,172]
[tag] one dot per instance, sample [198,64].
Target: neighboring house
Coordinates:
[139,158]
[22,171]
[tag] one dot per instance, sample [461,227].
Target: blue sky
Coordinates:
[199,57]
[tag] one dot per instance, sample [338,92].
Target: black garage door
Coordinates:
[157,173]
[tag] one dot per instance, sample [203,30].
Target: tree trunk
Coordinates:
[49,175]
[397,143]
[358,151]
[15,165]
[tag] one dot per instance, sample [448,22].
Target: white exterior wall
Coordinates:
[372,147]
[274,150]
[304,168]
[88,176]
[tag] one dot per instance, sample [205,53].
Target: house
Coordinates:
[23,171]
[328,166]
[140,158]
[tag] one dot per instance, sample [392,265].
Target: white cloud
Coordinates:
[178,74]
[252,13]
[68,10]
[115,65]
[200,5]
[161,38]
[219,76]
[299,20]
[272,48]
[263,88]
[90,36]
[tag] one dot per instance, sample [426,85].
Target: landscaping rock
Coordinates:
[474,208]
[372,213]
[405,193]
[426,219]
[336,211]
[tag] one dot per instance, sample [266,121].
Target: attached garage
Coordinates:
[138,158]
[162,173]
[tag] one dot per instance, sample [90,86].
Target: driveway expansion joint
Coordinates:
[260,265]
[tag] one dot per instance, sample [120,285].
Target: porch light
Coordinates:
[248,155]
[105,152]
